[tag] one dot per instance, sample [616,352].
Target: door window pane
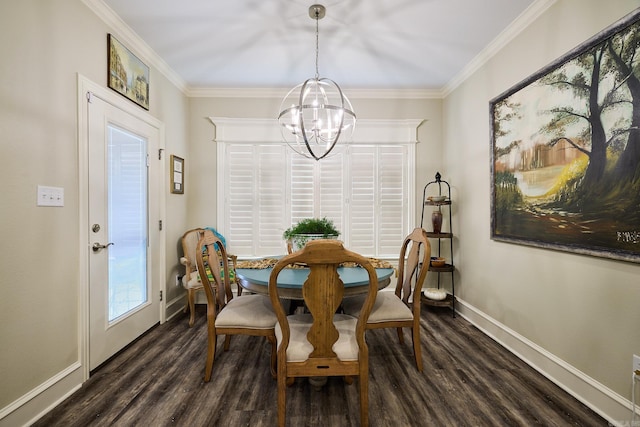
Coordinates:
[127,224]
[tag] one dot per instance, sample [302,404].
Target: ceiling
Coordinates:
[363,44]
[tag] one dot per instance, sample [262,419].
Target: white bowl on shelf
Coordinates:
[438,198]
[435,294]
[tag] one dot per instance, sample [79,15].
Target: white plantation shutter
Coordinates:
[302,193]
[254,198]
[270,209]
[331,188]
[317,189]
[392,219]
[238,197]
[361,224]
[367,190]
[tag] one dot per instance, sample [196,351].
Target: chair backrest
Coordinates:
[190,241]
[214,273]
[417,251]
[323,291]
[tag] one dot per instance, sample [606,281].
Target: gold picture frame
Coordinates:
[177,175]
[127,74]
[564,167]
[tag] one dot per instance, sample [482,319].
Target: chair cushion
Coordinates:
[388,307]
[247,311]
[346,348]
[192,282]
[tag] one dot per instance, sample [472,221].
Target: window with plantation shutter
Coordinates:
[264,187]
[253,198]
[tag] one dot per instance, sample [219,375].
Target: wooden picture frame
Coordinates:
[177,175]
[565,151]
[126,74]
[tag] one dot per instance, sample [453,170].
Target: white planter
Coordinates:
[298,241]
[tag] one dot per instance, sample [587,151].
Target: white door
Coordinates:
[124,184]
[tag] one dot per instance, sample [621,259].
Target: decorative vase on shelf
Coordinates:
[436,220]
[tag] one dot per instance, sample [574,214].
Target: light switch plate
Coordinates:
[50,196]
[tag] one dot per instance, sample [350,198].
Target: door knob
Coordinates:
[97,246]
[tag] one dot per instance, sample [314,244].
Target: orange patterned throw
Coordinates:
[270,262]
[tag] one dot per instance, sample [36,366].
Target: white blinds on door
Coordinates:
[264,187]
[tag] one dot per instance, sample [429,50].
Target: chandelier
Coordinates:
[314,114]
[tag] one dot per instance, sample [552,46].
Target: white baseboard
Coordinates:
[608,404]
[32,406]
[38,402]
[175,307]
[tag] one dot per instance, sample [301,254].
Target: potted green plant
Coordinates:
[310,229]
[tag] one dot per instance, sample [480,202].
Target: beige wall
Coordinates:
[43,45]
[583,310]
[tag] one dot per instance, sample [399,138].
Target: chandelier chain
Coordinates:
[317,42]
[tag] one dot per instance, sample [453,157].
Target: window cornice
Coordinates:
[367,131]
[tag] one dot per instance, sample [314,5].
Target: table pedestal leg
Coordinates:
[317,382]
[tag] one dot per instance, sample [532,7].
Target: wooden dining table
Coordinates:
[290,280]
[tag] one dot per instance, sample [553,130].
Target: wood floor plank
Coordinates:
[468,380]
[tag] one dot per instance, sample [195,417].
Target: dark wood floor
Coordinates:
[468,380]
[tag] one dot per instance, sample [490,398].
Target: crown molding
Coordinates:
[134,42]
[525,19]
[281,92]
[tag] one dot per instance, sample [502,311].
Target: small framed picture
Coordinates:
[177,175]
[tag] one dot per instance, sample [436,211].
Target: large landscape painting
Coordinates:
[566,151]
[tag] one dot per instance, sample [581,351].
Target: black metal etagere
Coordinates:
[441,236]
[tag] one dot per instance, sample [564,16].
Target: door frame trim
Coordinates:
[85,86]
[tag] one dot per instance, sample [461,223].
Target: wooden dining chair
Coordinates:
[226,315]
[394,310]
[191,279]
[322,343]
